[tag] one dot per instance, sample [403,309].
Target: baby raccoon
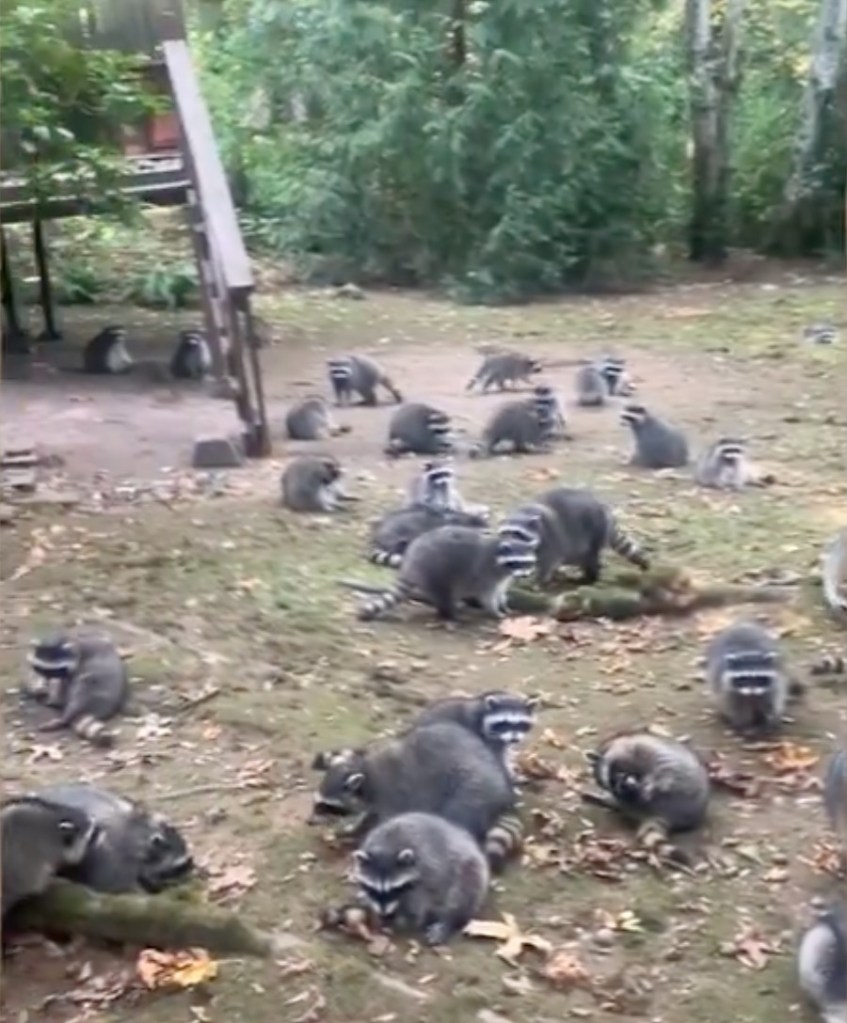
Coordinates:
[658,445]
[312,483]
[132,848]
[441,768]
[107,352]
[192,359]
[835,794]
[835,573]
[574,527]
[419,429]
[357,374]
[747,678]
[547,399]
[39,839]
[724,466]
[520,427]
[311,419]
[435,487]
[656,782]
[82,676]
[502,368]
[454,564]
[392,534]
[420,873]
[822,963]
[502,720]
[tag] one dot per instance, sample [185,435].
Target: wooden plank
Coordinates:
[212,184]
[57,209]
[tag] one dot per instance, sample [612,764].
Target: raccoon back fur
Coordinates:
[658,445]
[357,374]
[423,874]
[822,963]
[500,369]
[519,427]
[312,483]
[393,532]
[419,429]
[311,419]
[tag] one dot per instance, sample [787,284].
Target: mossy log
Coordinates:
[664,590]
[158,921]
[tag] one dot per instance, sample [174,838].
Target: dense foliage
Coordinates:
[495,147]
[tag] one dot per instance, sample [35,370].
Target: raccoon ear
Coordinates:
[592,756]
[406,857]
[321,762]
[362,855]
[491,702]
[355,782]
[532,702]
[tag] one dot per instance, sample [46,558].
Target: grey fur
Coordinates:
[822,963]
[82,675]
[422,874]
[311,419]
[658,445]
[503,368]
[133,848]
[821,333]
[747,678]
[597,381]
[357,374]
[454,564]
[835,794]
[107,353]
[419,429]
[192,359]
[39,839]
[393,532]
[574,527]
[312,483]
[834,572]
[524,427]
[724,465]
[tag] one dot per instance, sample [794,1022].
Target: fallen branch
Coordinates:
[158,921]
[205,790]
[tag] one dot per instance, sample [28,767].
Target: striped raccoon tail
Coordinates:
[383,602]
[830,664]
[652,836]
[624,545]
[380,556]
[94,731]
[504,841]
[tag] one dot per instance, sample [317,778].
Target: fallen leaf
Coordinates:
[507,931]
[750,948]
[788,757]
[518,984]
[565,971]
[530,765]
[233,881]
[525,629]
[175,969]
[549,737]
[740,783]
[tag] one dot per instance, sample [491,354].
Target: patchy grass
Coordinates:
[231,591]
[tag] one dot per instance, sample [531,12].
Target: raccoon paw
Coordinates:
[436,933]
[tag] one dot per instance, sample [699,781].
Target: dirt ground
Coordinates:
[206,582]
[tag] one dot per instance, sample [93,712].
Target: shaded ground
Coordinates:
[231,591]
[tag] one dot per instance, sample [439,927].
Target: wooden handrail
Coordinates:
[212,186]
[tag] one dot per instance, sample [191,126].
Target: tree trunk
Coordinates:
[799,226]
[713,82]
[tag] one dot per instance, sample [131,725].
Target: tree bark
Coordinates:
[713,66]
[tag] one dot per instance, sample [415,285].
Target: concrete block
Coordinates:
[218,453]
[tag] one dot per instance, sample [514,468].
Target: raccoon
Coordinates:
[435,487]
[500,369]
[192,359]
[501,719]
[573,528]
[453,564]
[830,664]
[132,849]
[39,839]
[419,429]
[107,352]
[357,374]
[82,675]
[834,572]
[392,534]
[747,678]
[420,873]
[592,389]
[724,466]
[656,782]
[546,398]
[821,334]
[658,445]
[613,368]
[835,794]
[311,419]
[312,483]
[822,963]
[520,427]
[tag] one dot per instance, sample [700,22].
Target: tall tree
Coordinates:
[713,65]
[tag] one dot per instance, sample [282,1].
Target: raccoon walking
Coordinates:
[312,483]
[391,535]
[454,564]
[192,359]
[131,848]
[39,839]
[82,675]
[419,429]
[658,783]
[658,445]
[573,528]
[357,374]
[747,678]
[724,466]
[520,427]
[311,419]
[835,573]
[107,352]
[822,963]
[420,873]
[501,369]
[441,768]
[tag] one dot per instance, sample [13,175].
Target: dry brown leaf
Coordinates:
[233,881]
[525,629]
[827,859]
[740,783]
[788,758]
[175,969]
[565,971]
[750,948]
[549,737]
[530,765]
[507,931]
